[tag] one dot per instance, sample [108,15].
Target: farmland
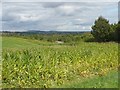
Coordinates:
[29,63]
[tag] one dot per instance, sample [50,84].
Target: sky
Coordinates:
[55,16]
[60,0]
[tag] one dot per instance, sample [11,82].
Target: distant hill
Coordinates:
[45,32]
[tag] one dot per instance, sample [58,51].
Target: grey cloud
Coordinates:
[52,4]
[60,1]
[54,15]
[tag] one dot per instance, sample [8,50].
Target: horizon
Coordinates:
[44,31]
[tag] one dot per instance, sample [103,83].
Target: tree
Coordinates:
[118,32]
[114,34]
[102,30]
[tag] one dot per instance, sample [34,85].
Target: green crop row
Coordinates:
[51,66]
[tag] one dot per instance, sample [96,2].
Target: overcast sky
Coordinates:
[56,16]
[60,0]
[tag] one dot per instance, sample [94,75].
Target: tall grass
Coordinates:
[51,66]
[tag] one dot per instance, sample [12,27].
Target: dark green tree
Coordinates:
[118,32]
[114,33]
[102,30]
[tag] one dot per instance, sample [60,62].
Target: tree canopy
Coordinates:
[103,31]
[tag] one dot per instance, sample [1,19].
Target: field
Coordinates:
[30,63]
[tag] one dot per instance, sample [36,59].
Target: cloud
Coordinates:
[119,11]
[61,1]
[55,15]
[51,4]
[0,17]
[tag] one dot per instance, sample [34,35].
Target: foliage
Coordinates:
[51,66]
[66,38]
[114,34]
[102,30]
[118,32]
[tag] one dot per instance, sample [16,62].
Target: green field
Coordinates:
[40,64]
[15,42]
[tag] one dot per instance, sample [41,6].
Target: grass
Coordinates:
[12,42]
[109,80]
[15,42]
[38,64]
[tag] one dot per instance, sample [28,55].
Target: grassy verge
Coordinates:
[110,80]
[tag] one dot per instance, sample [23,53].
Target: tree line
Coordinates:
[53,37]
[102,31]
